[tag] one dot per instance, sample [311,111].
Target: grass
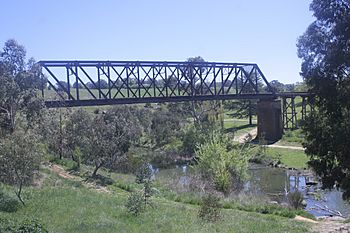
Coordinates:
[238,126]
[292,138]
[66,206]
[291,158]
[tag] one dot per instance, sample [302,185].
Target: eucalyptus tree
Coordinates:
[110,136]
[325,52]
[19,84]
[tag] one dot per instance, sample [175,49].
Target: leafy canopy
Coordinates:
[325,52]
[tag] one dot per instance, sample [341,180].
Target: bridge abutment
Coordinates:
[270,126]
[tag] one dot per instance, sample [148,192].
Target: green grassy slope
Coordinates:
[67,206]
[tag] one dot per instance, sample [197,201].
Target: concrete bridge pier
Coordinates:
[270,126]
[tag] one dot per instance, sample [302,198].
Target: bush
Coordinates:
[295,199]
[226,168]
[27,226]
[143,173]
[135,203]
[210,208]
[8,203]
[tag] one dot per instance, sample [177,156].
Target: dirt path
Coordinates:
[333,224]
[66,175]
[248,136]
[327,225]
[286,147]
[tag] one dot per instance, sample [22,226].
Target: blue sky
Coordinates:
[262,32]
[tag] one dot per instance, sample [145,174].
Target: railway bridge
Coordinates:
[95,83]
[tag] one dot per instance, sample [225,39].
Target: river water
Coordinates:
[276,183]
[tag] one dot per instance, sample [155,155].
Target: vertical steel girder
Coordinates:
[289,112]
[99,81]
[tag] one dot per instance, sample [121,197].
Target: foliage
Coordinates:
[293,136]
[20,157]
[191,138]
[325,51]
[8,203]
[53,131]
[165,125]
[110,137]
[242,109]
[210,208]
[19,85]
[144,176]
[260,156]
[147,191]
[26,226]
[295,199]
[143,173]
[226,168]
[76,128]
[135,203]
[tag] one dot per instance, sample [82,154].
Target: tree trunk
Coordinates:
[19,191]
[97,166]
[61,138]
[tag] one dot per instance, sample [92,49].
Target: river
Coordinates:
[275,183]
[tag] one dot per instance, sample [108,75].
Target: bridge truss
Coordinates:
[90,83]
[94,83]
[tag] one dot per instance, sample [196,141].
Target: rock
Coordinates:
[284,204]
[304,203]
[319,218]
[336,218]
[273,202]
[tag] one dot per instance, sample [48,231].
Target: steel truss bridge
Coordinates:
[94,83]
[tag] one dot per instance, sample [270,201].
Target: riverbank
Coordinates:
[63,203]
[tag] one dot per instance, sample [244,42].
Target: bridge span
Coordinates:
[95,83]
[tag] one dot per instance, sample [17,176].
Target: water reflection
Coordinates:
[274,182]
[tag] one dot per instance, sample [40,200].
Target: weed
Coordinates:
[210,208]
[135,203]
[295,199]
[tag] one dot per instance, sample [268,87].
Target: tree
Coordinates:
[19,85]
[164,127]
[276,86]
[242,109]
[62,86]
[79,85]
[103,84]
[53,130]
[76,130]
[325,52]
[20,157]
[110,136]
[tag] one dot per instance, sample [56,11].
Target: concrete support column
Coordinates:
[270,120]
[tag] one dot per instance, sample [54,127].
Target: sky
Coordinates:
[254,31]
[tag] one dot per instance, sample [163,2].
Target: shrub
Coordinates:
[210,208]
[134,203]
[223,166]
[8,203]
[147,191]
[143,173]
[295,199]
[27,226]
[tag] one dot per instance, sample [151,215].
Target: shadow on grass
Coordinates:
[234,129]
[100,180]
